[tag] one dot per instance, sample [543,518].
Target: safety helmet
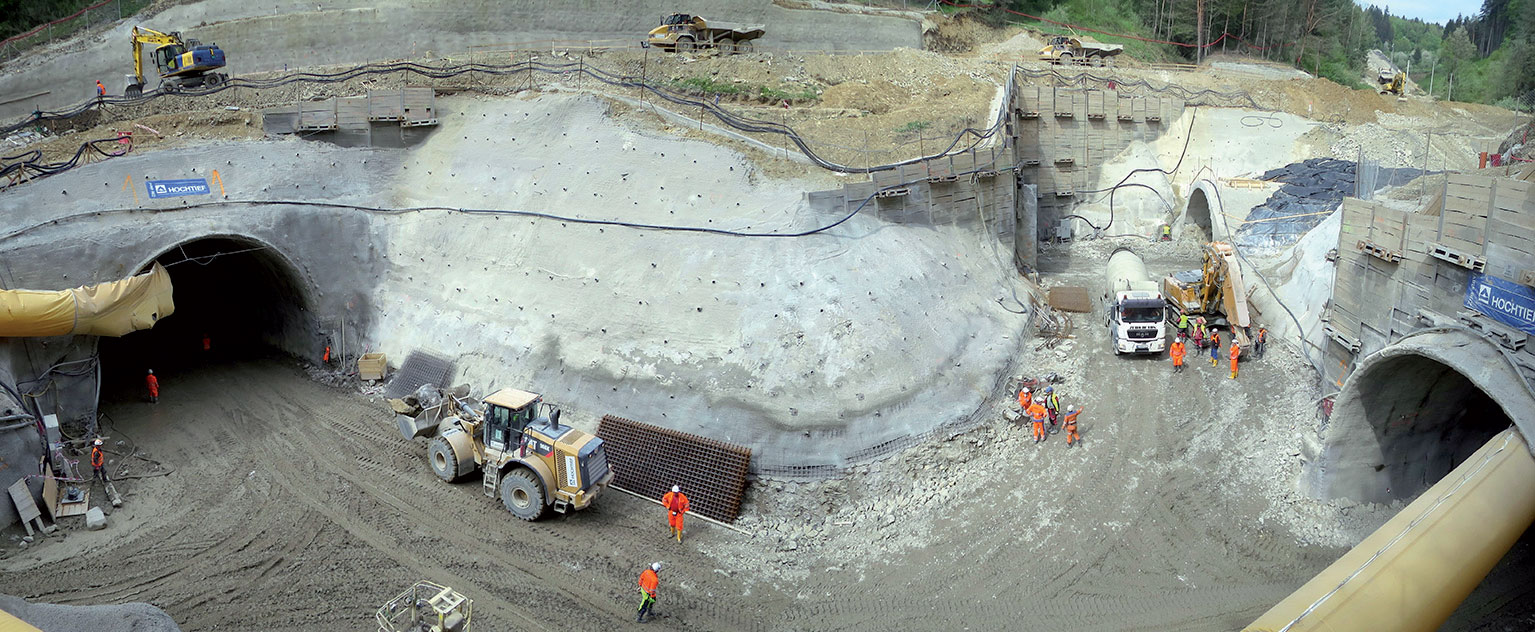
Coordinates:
[97,442]
[1039,400]
[676,488]
[1071,408]
[1049,390]
[151,371]
[655,566]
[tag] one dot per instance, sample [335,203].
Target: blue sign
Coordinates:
[1504,301]
[177,188]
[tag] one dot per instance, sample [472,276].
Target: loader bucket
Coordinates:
[415,427]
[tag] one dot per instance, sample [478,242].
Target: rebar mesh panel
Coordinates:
[648,460]
[419,368]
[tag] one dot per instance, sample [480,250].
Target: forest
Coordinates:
[1487,57]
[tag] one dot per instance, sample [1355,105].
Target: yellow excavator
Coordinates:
[1215,290]
[181,63]
[1393,82]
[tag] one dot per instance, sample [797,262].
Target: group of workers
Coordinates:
[676,504]
[1206,336]
[1047,405]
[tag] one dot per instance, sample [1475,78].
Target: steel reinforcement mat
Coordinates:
[648,460]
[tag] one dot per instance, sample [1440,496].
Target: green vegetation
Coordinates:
[1490,54]
[20,16]
[706,86]
[914,127]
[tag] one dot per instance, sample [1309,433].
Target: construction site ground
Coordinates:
[260,498]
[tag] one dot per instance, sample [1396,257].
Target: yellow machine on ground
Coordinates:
[1215,290]
[426,607]
[531,461]
[1068,49]
[1393,82]
[181,63]
[683,33]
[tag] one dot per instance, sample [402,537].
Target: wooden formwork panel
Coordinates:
[649,460]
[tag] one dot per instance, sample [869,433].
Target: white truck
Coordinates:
[1135,306]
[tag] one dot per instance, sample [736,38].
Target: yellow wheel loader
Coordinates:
[526,457]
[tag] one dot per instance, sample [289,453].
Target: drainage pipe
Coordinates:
[1415,570]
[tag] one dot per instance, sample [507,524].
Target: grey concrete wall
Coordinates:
[1066,135]
[273,35]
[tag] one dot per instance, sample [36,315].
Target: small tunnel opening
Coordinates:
[1427,417]
[1196,216]
[238,294]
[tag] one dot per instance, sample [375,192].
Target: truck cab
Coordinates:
[1137,322]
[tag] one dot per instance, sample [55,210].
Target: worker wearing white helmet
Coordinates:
[1037,414]
[1070,420]
[676,504]
[98,461]
[650,579]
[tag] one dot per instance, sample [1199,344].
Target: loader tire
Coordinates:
[523,495]
[685,44]
[444,463]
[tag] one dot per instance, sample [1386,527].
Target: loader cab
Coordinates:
[508,412]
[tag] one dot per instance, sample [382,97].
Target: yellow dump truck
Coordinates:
[681,32]
[1074,49]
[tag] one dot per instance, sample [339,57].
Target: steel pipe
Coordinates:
[1412,572]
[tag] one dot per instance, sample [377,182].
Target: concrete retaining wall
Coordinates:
[1389,288]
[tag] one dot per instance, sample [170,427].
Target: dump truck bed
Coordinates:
[738,32]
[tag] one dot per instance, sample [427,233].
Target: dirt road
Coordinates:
[294,506]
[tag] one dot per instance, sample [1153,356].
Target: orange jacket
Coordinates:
[1235,351]
[676,502]
[1037,411]
[97,459]
[1071,418]
[649,580]
[152,382]
[1023,399]
[1176,351]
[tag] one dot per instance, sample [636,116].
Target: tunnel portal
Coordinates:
[240,295]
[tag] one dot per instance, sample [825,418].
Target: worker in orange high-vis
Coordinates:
[1024,398]
[98,462]
[207,343]
[153,383]
[325,357]
[101,90]
[1071,425]
[1177,351]
[650,578]
[1235,353]
[676,504]
[1037,413]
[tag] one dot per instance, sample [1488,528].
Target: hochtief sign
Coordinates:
[1504,301]
[177,188]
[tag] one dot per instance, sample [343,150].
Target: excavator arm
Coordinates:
[142,36]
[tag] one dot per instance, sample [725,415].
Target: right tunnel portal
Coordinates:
[1413,412]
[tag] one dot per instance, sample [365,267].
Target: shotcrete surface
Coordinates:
[806,349]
